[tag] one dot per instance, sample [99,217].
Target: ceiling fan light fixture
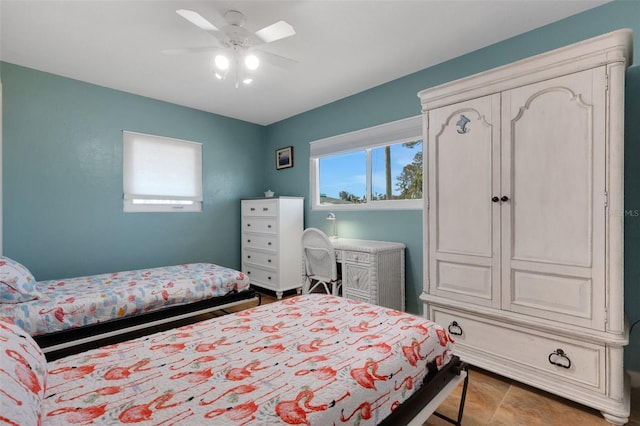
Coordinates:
[222,62]
[251,62]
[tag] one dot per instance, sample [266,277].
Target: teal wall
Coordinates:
[62,179]
[397,99]
[62,161]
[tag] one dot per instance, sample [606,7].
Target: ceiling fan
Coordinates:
[236,45]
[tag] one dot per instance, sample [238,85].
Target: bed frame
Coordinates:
[436,387]
[67,342]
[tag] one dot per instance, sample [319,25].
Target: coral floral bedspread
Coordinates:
[312,359]
[79,301]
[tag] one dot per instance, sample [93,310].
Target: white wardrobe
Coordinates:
[523,220]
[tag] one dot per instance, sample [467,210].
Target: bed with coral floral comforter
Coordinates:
[59,305]
[312,359]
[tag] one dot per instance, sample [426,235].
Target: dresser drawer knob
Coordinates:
[265,209]
[560,359]
[455,329]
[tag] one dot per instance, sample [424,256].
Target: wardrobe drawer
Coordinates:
[269,260]
[261,242]
[579,362]
[260,208]
[260,224]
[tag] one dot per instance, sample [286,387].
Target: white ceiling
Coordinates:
[342,47]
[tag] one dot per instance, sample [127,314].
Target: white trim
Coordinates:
[371,137]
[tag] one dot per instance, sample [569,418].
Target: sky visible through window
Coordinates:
[348,172]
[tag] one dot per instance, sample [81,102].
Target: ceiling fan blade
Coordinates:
[196,19]
[276,60]
[199,49]
[277,31]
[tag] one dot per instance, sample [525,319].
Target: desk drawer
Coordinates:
[356,278]
[530,349]
[357,257]
[260,208]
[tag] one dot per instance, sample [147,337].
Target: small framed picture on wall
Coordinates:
[284,158]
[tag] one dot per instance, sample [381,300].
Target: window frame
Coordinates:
[391,133]
[143,203]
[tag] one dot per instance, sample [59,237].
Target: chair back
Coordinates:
[319,256]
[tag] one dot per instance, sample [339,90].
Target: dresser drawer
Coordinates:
[269,260]
[579,362]
[261,276]
[260,242]
[260,208]
[266,225]
[357,257]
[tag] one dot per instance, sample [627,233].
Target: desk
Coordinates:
[372,271]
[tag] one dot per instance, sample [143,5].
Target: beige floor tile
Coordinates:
[484,394]
[527,406]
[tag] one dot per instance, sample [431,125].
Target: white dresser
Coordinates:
[271,242]
[523,222]
[372,271]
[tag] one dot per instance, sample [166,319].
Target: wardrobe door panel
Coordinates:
[553,146]
[463,178]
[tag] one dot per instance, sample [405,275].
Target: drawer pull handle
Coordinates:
[265,209]
[269,243]
[455,329]
[269,260]
[248,256]
[248,272]
[253,209]
[248,224]
[248,241]
[564,362]
[269,226]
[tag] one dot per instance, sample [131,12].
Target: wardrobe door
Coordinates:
[463,179]
[553,173]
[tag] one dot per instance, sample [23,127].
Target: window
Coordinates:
[161,174]
[375,168]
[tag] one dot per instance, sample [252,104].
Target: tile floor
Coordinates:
[495,400]
[498,401]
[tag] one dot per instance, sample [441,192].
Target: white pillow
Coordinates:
[23,372]
[16,282]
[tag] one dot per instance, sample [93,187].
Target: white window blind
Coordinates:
[161,174]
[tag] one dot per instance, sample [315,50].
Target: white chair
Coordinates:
[319,260]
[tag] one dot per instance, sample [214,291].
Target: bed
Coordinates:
[65,313]
[312,359]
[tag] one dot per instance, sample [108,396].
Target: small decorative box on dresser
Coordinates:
[372,271]
[523,220]
[271,242]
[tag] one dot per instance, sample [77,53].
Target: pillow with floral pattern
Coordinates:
[23,371]
[17,284]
